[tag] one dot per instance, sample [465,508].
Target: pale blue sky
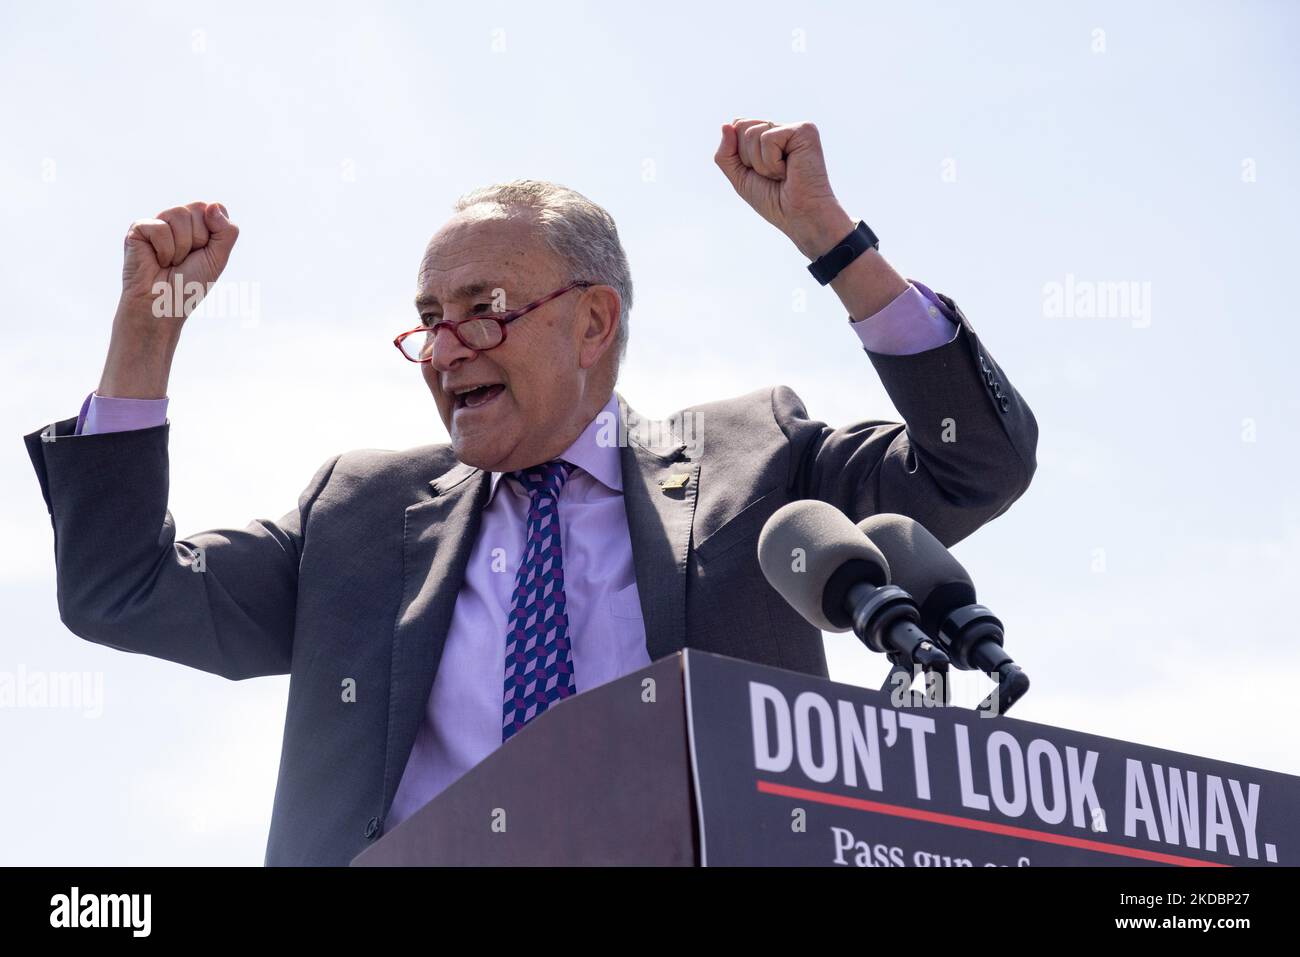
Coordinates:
[338,134]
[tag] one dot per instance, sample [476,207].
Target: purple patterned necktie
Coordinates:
[539,666]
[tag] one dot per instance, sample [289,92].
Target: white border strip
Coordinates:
[695,770]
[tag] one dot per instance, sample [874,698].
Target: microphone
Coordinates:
[833,576]
[970,633]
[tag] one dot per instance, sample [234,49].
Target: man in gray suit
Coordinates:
[429,603]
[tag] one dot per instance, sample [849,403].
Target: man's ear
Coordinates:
[597,325]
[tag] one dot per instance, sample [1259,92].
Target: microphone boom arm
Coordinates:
[886,619]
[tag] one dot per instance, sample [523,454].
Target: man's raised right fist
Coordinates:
[184,245]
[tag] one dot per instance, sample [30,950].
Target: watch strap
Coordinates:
[826,267]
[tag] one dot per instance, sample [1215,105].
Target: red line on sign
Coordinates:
[952,820]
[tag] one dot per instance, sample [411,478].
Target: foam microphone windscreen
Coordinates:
[921,566]
[812,554]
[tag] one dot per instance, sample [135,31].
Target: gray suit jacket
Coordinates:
[358,581]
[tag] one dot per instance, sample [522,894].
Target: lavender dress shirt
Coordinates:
[462,722]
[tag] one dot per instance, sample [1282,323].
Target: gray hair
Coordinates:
[581,233]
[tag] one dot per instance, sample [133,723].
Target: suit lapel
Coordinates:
[660,507]
[439,536]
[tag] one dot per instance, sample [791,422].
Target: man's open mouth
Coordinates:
[478,395]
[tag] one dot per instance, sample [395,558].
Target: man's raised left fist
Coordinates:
[780,171]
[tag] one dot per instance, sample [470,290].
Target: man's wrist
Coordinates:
[823,233]
[139,360]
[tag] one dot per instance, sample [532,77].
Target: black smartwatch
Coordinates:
[827,267]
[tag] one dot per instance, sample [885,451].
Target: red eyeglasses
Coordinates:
[479,333]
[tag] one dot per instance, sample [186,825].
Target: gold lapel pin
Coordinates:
[675,481]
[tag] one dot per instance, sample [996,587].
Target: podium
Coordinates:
[700,759]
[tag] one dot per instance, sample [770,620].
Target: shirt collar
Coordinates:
[599,459]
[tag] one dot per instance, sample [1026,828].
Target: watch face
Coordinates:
[866,233]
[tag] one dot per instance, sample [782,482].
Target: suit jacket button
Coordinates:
[373,826]
[1005,403]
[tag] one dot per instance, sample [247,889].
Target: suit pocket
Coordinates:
[742,528]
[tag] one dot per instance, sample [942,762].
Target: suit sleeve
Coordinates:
[963,453]
[222,601]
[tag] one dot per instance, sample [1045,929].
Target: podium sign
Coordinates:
[701,759]
[792,769]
